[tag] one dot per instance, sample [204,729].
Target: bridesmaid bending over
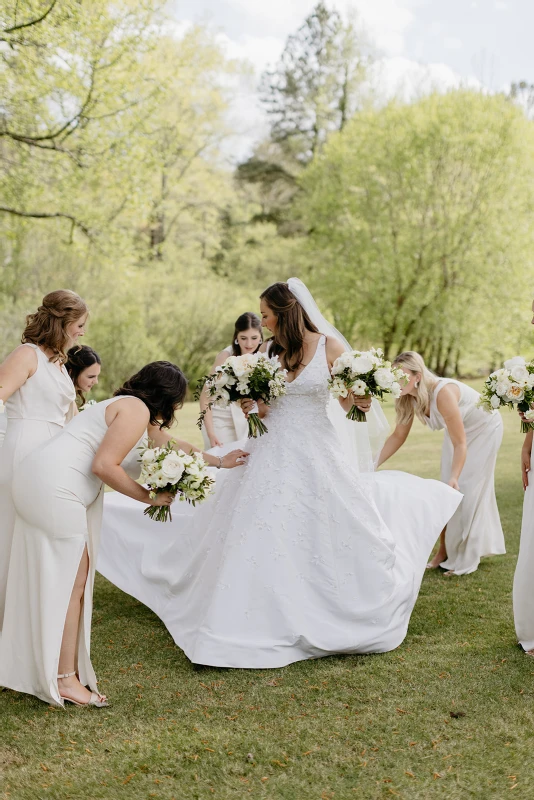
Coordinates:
[470,446]
[58,493]
[224,425]
[38,393]
[84,366]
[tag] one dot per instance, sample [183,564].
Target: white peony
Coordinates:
[361,365]
[396,390]
[516,361]
[384,378]
[495,401]
[530,415]
[502,388]
[520,374]
[515,394]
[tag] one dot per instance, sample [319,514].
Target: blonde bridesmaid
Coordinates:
[224,425]
[470,446]
[38,393]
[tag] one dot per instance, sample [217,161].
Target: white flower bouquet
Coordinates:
[255,376]
[165,469]
[87,404]
[366,373]
[512,386]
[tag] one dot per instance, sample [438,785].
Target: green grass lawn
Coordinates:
[450,714]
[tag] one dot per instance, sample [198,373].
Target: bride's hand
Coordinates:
[163,499]
[247,406]
[234,459]
[363,402]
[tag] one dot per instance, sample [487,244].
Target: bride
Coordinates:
[298,554]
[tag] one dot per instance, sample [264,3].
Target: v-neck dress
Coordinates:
[35,413]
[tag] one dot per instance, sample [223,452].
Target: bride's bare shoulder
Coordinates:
[334,348]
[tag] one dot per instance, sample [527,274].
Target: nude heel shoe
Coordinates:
[97,700]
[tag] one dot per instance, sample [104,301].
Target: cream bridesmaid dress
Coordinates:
[35,413]
[523,585]
[229,424]
[58,505]
[475,530]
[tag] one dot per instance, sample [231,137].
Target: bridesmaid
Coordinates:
[84,366]
[223,425]
[58,493]
[470,446]
[37,392]
[523,594]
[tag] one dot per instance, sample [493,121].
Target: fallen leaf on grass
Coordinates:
[408,773]
[128,779]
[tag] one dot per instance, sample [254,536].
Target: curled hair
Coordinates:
[161,386]
[47,327]
[245,322]
[291,325]
[79,358]
[408,405]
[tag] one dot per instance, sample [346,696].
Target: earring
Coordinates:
[236,342]
[417,385]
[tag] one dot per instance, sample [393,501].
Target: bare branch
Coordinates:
[43,215]
[32,21]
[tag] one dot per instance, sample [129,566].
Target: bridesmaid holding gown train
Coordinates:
[224,425]
[37,392]
[470,446]
[58,493]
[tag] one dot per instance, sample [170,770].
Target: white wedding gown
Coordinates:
[295,557]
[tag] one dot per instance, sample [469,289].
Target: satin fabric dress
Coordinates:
[229,424]
[58,502]
[296,556]
[35,413]
[475,530]
[523,594]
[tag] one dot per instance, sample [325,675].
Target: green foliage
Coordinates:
[419,219]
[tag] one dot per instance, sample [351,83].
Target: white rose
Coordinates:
[172,467]
[361,365]
[384,378]
[502,388]
[148,457]
[517,361]
[495,401]
[530,415]
[520,374]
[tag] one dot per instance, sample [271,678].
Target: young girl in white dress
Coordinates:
[297,555]
[38,393]
[470,446]
[224,425]
[58,491]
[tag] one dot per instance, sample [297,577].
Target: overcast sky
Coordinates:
[422,42]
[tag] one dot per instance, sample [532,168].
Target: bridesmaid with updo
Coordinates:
[84,366]
[37,392]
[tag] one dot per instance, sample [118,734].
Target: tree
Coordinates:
[419,224]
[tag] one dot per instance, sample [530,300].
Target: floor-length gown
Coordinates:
[229,424]
[35,412]
[475,530]
[295,557]
[58,505]
[523,594]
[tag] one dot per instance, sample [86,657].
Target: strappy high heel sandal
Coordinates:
[97,700]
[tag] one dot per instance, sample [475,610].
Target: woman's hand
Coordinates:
[214,441]
[247,406]
[363,402]
[453,483]
[525,465]
[163,499]
[234,459]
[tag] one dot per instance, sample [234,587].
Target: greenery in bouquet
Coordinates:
[365,373]
[511,386]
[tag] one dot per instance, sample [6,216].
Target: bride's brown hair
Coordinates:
[47,327]
[292,322]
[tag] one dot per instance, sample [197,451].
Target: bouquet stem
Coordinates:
[526,426]
[159,513]
[356,414]
[255,426]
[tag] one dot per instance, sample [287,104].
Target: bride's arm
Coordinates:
[230,460]
[334,349]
